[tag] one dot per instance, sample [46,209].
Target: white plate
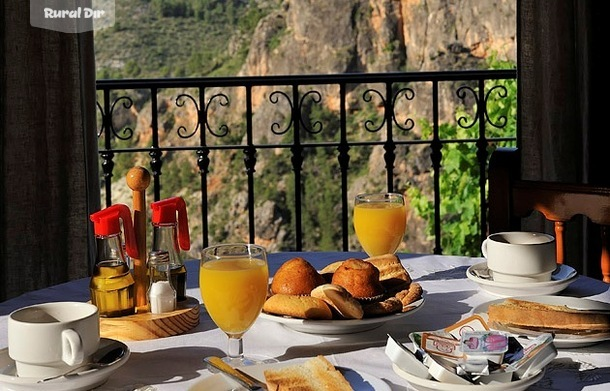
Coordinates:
[433,385]
[360,381]
[84,381]
[508,289]
[561,341]
[338,326]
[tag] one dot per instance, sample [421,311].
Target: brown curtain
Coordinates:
[558,76]
[49,175]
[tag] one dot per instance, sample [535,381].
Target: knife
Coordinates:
[251,383]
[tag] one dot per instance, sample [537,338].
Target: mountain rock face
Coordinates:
[344,36]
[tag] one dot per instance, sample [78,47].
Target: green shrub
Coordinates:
[459,173]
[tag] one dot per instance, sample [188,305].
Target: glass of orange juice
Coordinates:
[380,220]
[233,279]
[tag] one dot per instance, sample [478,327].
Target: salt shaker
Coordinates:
[161,292]
[171,233]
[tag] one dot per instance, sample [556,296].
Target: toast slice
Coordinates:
[547,317]
[315,374]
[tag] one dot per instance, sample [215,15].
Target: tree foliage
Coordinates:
[460,173]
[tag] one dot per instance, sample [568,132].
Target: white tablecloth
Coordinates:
[175,363]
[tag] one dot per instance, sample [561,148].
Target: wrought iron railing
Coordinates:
[389,97]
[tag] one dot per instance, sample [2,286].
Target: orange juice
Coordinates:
[380,226]
[233,292]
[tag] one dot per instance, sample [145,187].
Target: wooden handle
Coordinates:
[138,179]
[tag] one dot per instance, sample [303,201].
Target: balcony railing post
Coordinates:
[343,159]
[389,146]
[437,157]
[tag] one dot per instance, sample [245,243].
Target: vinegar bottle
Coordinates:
[112,285]
[171,233]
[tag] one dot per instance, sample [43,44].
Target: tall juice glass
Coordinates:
[233,279]
[380,221]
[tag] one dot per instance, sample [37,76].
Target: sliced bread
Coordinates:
[315,374]
[547,317]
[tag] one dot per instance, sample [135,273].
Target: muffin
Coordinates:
[360,278]
[296,277]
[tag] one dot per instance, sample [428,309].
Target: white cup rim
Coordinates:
[14,315]
[494,238]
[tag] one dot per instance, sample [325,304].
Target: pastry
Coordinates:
[392,274]
[302,307]
[388,306]
[340,299]
[360,278]
[409,295]
[296,277]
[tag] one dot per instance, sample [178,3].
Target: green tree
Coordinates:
[459,173]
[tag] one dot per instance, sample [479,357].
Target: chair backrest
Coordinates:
[511,198]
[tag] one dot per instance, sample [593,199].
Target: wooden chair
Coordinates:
[511,199]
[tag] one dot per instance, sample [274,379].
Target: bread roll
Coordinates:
[302,307]
[315,374]
[340,299]
[546,317]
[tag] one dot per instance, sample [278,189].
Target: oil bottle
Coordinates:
[112,284]
[171,233]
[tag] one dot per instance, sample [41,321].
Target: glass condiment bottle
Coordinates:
[171,233]
[161,292]
[112,285]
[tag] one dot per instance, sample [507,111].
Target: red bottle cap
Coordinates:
[165,212]
[107,222]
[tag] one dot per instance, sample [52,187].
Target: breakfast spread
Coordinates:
[315,374]
[547,317]
[348,289]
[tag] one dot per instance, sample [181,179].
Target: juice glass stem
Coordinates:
[235,351]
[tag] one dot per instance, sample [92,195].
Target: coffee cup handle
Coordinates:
[484,248]
[72,347]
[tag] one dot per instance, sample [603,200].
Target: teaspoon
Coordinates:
[109,358]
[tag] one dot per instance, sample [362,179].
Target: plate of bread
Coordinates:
[346,296]
[574,322]
[315,373]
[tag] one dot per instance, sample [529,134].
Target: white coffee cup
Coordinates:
[51,338]
[520,257]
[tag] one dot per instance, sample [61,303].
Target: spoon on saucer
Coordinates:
[106,360]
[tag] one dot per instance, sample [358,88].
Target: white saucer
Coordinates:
[565,276]
[432,385]
[360,381]
[83,381]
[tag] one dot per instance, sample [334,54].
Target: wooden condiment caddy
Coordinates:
[144,325]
